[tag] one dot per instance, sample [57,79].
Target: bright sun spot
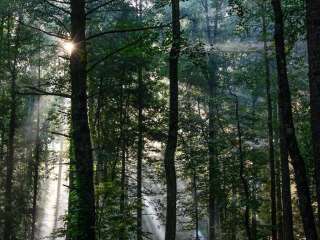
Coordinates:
[68,47]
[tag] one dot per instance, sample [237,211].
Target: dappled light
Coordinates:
[159,119]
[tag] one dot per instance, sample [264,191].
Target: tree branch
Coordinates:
[113,53]
[45,32]
[127,30]
[60,134]
[90,11]
[57,7]
[40,92]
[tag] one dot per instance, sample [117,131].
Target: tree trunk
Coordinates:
[80,127]
[213,166]
[36,161]
[287,127]
[270,135]
[286,189]
[9,232]
[313,26]
[140,154]
[123,118]
[169,157]
[279,202]
[242,176]
[195,197]
[140,141]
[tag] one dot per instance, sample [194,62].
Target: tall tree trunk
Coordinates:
[242,176]
[36,161]
[140,154]
[9,232]
[212,82]
[286,189]
[140,141]
[313,26]
[123,120]
[8,223]
[80,127]
[270,135]
[169,156]
[287,126]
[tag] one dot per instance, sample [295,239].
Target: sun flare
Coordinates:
[68,47]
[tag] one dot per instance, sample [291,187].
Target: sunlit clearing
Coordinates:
[68,47]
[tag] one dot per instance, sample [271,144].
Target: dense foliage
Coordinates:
[170,113]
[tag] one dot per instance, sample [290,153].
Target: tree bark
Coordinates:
[169,156]
[313,36]
[80,127]
[287,127]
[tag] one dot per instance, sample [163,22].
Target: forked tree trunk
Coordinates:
[288,130]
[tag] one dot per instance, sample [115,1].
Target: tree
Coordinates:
[169,156]
[287,128]
[80,128]
[313,22]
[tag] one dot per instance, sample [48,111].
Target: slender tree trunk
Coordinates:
[2,146]
[80,127]
[213,168]
[123,116]
[36,161]
[58,196]
[288,130]
[140,155]
[140,141]
[242,176]
[169,156]
[279,192]
[195,197]
[9,222]
[9,232]
[270,135]
[313,26]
